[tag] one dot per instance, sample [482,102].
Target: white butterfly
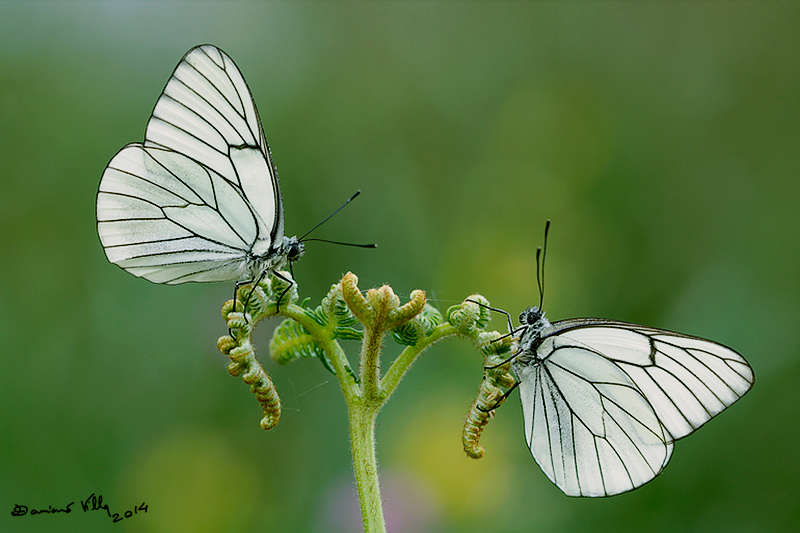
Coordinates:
[603,401]
[199,200]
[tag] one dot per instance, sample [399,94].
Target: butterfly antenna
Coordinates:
[373,245]
[331,215]
[539,275]
[542,250]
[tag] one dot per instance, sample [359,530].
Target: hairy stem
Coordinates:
[316,332]
[362,439]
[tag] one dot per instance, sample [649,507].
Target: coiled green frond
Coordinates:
[291,341]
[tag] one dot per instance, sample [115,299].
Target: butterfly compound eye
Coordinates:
[530,316]
[296,251]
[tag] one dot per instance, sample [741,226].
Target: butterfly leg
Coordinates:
[501,363]
[508,316]
[240,284]
[501,399]
[255,283]
[289,281]
[236,288]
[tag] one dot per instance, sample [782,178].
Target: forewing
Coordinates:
[587,424]
[687,380]
[207,113]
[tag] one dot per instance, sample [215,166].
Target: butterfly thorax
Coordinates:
[533,324]
[289,250]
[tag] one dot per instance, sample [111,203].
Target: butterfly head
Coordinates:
[532,316]
[294,248]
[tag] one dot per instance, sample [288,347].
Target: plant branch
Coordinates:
[346,313]
[403,362]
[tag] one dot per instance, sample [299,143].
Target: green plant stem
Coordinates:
[324,336]
[362,440]
[379,312]
[362,411]
[370,367]
[401,365]
[366,398]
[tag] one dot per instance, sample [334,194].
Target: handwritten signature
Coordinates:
[92,503]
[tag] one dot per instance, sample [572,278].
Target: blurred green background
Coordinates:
[662,139]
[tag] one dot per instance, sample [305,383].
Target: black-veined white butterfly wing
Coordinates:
[207,113]
[587,424]
[200,198]
[688,380]
[606,400]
